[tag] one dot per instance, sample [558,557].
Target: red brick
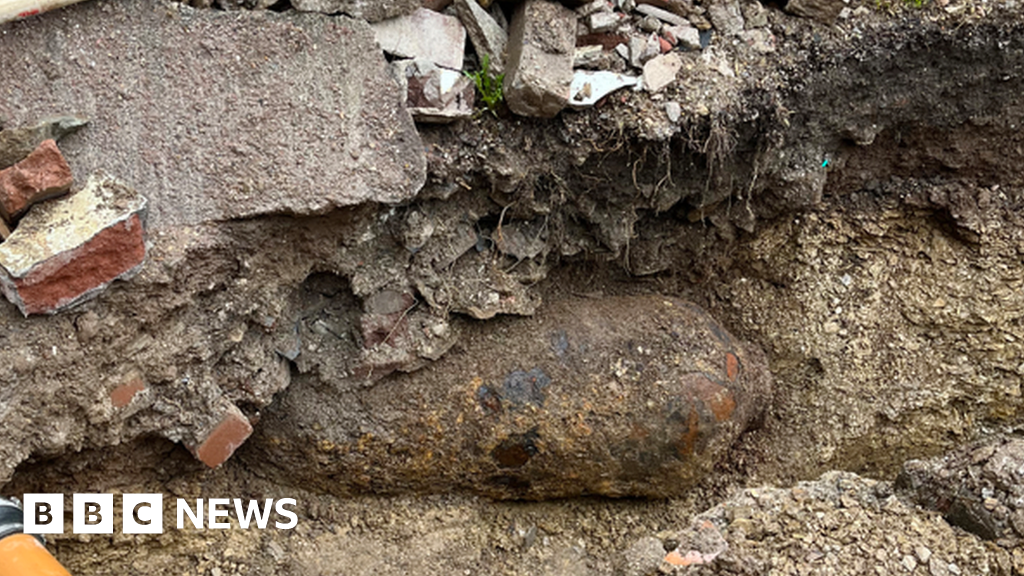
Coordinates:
[43,174]
[109,254]
[125,393]
[68,250]
[231,432]
[665,45]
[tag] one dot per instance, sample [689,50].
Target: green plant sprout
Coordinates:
[488,85]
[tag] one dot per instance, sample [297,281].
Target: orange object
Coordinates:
[24,555]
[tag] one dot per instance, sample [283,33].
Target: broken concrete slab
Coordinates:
[43,174]
[542,44]
[435,94]
[17,143]
[588,87]
[487,35]
[424,34]
[219,115]
[369,10]
[66,251]
[661,71]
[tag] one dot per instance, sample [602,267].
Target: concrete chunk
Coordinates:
[218,115]
[43,174]
[542,44]
[68,250]
[685,36]
[661,71]
[369,10]
[727,17]
[424,34]
[486,34]
[663,15]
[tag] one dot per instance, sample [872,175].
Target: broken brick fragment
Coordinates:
[42,175]
[67,251]
[732,366]
[125,393]
[220,443]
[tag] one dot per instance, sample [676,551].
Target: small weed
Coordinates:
[488,85]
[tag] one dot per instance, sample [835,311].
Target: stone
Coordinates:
[5,232]
[726,17]
[592,7]
[433,94]
[587,56]
[674,111]
[599,22]
[684,36]
[701,543]
[643,557]
[369,10]
[623,51]
[487,36]
[975,487]
[498,14]
[424,34]
[661,71]
[17,143]
[68,250]
[759,40]
[825,11]
[542,44]
[755,15]
[503,418]
[588,87]
[42,175]
[642,49]
[217,138]
[650,24]
[226,436]
[663,15]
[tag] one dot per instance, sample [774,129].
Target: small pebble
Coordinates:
[674,111]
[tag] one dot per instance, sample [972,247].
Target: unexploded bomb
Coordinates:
[623,396]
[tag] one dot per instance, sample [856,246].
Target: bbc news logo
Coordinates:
[144,513]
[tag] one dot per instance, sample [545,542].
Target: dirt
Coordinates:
[850,203]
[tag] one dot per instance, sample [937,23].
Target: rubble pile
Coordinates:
[840,523]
